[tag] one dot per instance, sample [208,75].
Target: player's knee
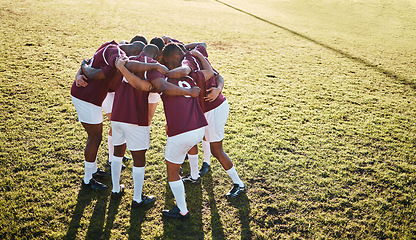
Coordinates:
[95,138]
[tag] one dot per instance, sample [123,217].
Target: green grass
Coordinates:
[321,128]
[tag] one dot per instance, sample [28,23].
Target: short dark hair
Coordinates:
[158,42]
[139,38]
[171,49]
[151,50]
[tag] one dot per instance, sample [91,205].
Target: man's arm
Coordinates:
[136,66]
[213,92]
[206,68]
[80,79]
[133,80]
[179,72]
[190,46]
[170,89]
[92,73]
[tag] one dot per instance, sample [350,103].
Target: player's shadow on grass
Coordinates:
[137,217]
[216,225]
[191,228]
[242,203]
[111,215]
[96,222]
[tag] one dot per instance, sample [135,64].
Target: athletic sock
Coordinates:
[207,152]
[89,170]
[193,165]
[95,168]
[234,176]
[110,147]
[178,190]
[115,173]
[138,179]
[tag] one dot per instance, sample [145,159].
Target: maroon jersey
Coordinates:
[96,90]
[195,65]
[183,113]
[130,104]
[172,40]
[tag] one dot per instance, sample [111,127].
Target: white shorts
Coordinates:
[177,146]
[87,112]
[216,118]
[136,137]
[154,97]
[108,102]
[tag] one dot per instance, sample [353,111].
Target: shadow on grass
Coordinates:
[96,223]
[216,225]
[242,203]
[191,228]
[85,197]
[111,215]
[137,217]
[375,66]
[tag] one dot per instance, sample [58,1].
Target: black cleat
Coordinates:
[108,166]
[175,213]
[125,159]
[115,195]
[94,185]
[189,179]
[101,173]
[204,169]
[146,200]
[235,191]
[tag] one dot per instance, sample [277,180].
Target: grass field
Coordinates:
[321,128]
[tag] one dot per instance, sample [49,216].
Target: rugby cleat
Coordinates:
[94,185]
[175,213]
[236,190]
[115,195]
[189,179]
[204,169]
[146,200]
[108,166]
[101,173]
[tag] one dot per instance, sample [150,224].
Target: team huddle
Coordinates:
[127,80]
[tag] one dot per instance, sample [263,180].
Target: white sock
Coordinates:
[234,176]
[193,165]
[207,152]
[95,169]
[110,147]
[138,179]
[89,170]
[178,190]
[115,173]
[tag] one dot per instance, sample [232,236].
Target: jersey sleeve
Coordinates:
[111,53]
[109,56]
[198,77]
[202,50]
[154,74]
[191,62]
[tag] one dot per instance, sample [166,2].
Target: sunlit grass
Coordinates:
[325,142]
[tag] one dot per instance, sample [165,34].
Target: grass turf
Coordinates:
[321,126]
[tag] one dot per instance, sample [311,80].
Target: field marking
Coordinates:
[386,72]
